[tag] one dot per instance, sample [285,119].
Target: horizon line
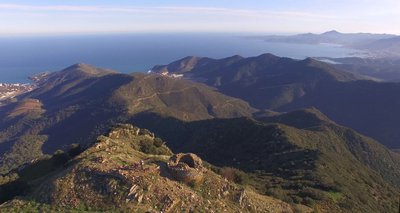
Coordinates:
[249,33]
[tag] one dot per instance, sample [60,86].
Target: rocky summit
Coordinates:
[131,170]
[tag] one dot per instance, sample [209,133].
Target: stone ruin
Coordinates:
[187,168]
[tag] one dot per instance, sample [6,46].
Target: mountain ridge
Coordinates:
[369,45]
[87,105]
[333,37]
[300,156]
[283,84]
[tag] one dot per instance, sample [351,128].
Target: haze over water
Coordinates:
[21,57]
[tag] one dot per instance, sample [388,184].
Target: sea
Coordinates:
[23,56]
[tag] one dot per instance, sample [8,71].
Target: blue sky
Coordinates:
[241,16]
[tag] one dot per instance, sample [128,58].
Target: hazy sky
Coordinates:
[259,16]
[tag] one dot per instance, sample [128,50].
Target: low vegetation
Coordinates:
[114,175]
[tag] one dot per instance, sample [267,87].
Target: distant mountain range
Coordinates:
[263,123]
[330,37]
[375,45]
[384,69]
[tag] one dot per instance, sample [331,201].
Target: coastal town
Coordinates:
[11,90]
[8,91]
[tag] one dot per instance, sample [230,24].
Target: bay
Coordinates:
[23,56]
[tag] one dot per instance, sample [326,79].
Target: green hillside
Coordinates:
[314,162]
[284,84]
[79,103]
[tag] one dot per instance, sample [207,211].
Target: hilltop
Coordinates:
[129,169]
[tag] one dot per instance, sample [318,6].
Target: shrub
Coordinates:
[308,201]
[296,199]
[158,142]
[228,173]
[280,194]
[313,193]
[297,209]
[147,147]
[234,175]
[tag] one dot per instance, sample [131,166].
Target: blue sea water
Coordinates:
[23,56]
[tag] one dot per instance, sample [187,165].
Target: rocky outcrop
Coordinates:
[127,131]
[187,168]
